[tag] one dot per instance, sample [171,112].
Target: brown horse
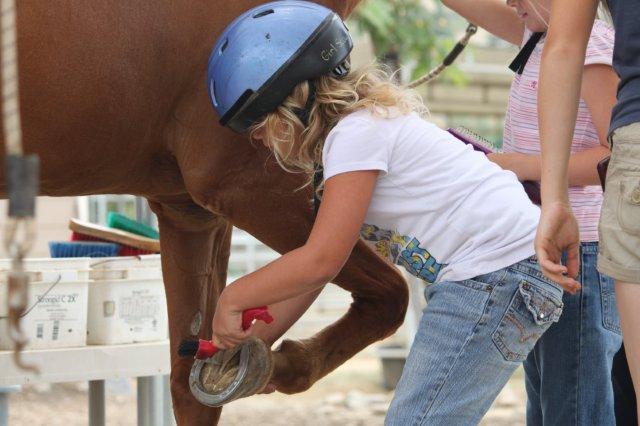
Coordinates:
[114,100]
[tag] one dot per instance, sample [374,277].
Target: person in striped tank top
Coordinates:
[568,373]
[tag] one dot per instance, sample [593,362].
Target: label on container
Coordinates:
[54,315]
[141,310]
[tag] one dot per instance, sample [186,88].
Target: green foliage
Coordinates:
[420,37]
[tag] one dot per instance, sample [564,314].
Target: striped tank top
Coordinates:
[521,123]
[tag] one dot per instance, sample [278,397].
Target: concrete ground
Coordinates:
[350,396]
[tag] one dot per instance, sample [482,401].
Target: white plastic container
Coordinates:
[126,311]
[49,269]
[126,262]
[56,315]
[119,268]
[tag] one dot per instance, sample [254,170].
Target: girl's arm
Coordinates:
[599,84]
[559,90]
[492,15]
[304,270]
[284,314]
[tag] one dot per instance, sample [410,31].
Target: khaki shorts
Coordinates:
[619,229]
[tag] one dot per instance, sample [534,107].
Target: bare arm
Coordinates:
[560,85]
[599,84]
[492,15]
[305,270]
[285,314]
[560,82]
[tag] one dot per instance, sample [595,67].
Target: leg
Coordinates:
[628,296]
[472,337]
[380,293]
[532,385]
[568,373]
[619,233]
[229,176]
[195,250]
[625,397]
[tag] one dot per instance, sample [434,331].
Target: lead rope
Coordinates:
[448,60]
[21,176]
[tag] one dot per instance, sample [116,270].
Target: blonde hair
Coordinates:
[370,88]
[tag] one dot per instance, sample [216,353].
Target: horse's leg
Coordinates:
[262,200]
[380,298]
[195,250]
[224,173]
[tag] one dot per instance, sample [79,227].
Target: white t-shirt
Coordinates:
[439,209]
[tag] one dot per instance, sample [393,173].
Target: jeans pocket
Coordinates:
[531,311]
[629,204]
[610,316]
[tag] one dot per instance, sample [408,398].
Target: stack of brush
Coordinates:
[122,237]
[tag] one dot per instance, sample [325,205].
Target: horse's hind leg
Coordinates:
[224,173]
[380,298]
[195,251]
[263,201]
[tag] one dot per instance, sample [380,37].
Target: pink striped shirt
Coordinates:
[521,123]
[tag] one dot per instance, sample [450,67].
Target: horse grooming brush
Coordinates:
[203,349]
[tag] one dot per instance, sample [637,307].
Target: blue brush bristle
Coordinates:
[82,249]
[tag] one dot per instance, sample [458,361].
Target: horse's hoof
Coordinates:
[294,367]
[232,374]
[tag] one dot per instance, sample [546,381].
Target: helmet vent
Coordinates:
[263,13]
[224,45]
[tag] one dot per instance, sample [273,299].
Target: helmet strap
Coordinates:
[304,113]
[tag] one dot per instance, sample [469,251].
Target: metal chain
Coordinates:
[20,230]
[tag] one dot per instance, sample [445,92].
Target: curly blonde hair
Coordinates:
[298,148]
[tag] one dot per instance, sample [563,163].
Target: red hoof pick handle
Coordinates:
[203,349]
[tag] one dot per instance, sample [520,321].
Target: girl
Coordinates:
[620,220]
[568,377]
[424,200]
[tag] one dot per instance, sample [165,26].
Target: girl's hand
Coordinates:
[558,232]
[227,324]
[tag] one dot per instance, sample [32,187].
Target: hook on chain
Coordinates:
[19,236]
[21,177]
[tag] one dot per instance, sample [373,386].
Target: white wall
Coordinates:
[52,217]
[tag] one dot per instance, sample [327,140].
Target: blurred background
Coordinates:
[410,37]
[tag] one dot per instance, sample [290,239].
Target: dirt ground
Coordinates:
[351,396]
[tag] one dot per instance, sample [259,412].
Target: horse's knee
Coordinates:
[389,305]
[398,302]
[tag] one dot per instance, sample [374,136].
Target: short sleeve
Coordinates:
[600,45]
[356,144]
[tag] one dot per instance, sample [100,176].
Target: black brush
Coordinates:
[188,348]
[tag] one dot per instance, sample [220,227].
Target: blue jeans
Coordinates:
[472,336]
[568,373]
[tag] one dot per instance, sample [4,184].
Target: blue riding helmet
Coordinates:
[265,52]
